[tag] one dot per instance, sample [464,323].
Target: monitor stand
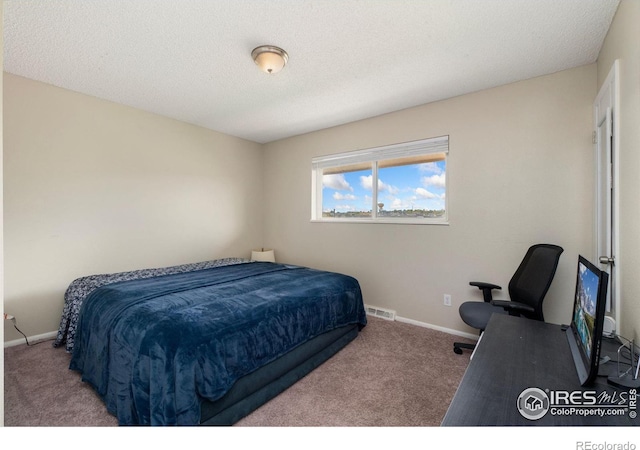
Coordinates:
[629,378]
[625,380]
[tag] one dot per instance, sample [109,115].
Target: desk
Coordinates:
[516,354]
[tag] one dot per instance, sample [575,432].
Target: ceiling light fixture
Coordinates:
[269,58]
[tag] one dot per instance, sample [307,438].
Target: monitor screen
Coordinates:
[585,331]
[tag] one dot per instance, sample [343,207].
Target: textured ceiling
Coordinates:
[348,59]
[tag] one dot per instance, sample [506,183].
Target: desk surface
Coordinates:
[514,355]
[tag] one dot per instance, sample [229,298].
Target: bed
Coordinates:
[205,343]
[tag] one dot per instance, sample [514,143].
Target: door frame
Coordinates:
[610,87]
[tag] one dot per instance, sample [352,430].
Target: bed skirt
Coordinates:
[255,389]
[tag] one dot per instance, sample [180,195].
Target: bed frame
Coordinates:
[253,390]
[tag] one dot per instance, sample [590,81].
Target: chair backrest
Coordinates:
[531,281]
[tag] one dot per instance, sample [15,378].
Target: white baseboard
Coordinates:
[32,339]
[438,328]
[53,334]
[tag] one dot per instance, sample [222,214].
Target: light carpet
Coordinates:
[393,374]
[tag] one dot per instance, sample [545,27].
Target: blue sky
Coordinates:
[590,286]
[417,186]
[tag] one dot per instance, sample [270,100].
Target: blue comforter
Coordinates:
[153,348]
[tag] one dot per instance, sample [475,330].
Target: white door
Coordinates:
[605,115]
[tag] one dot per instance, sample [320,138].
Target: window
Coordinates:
[410,184]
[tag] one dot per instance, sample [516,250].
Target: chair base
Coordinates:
[458,346]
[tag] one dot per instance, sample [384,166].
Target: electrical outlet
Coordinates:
[447,300]
[8,316]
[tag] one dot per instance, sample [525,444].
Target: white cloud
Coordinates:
[339,196]
[423,193]
[337,182]
[367,183]
[430,167]
[390,189]
[434,180]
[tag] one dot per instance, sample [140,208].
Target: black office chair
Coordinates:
[527,290]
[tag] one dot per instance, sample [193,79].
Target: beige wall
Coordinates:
[92,186]
[623,43]
[520,171]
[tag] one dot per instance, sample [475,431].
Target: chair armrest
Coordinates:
[513,308]
[486,289]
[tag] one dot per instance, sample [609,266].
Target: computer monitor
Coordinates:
[585,332]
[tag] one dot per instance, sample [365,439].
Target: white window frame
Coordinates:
[374,156]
